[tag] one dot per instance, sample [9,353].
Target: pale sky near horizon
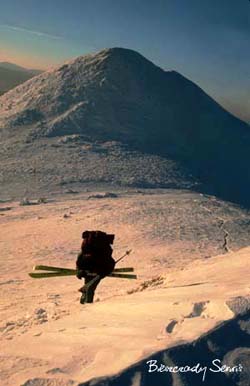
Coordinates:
[207,41]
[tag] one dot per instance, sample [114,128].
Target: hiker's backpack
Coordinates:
[96,253]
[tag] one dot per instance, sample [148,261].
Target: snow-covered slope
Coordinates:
[49,339]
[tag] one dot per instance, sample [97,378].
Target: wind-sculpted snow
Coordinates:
[220,357]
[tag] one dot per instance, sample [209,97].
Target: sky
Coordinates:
[208,41]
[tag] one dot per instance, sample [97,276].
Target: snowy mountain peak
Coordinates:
[118,95]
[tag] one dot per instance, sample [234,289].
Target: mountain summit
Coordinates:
[118,95]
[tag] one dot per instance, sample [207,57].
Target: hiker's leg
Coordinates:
[83,290]
[90,292]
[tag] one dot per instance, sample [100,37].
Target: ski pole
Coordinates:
[125,254]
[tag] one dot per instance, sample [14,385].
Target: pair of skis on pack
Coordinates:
[58,271]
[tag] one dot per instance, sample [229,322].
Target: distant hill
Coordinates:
[163,129]
[11,75]
[15,67]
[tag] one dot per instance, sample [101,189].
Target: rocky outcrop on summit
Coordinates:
[118,95]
